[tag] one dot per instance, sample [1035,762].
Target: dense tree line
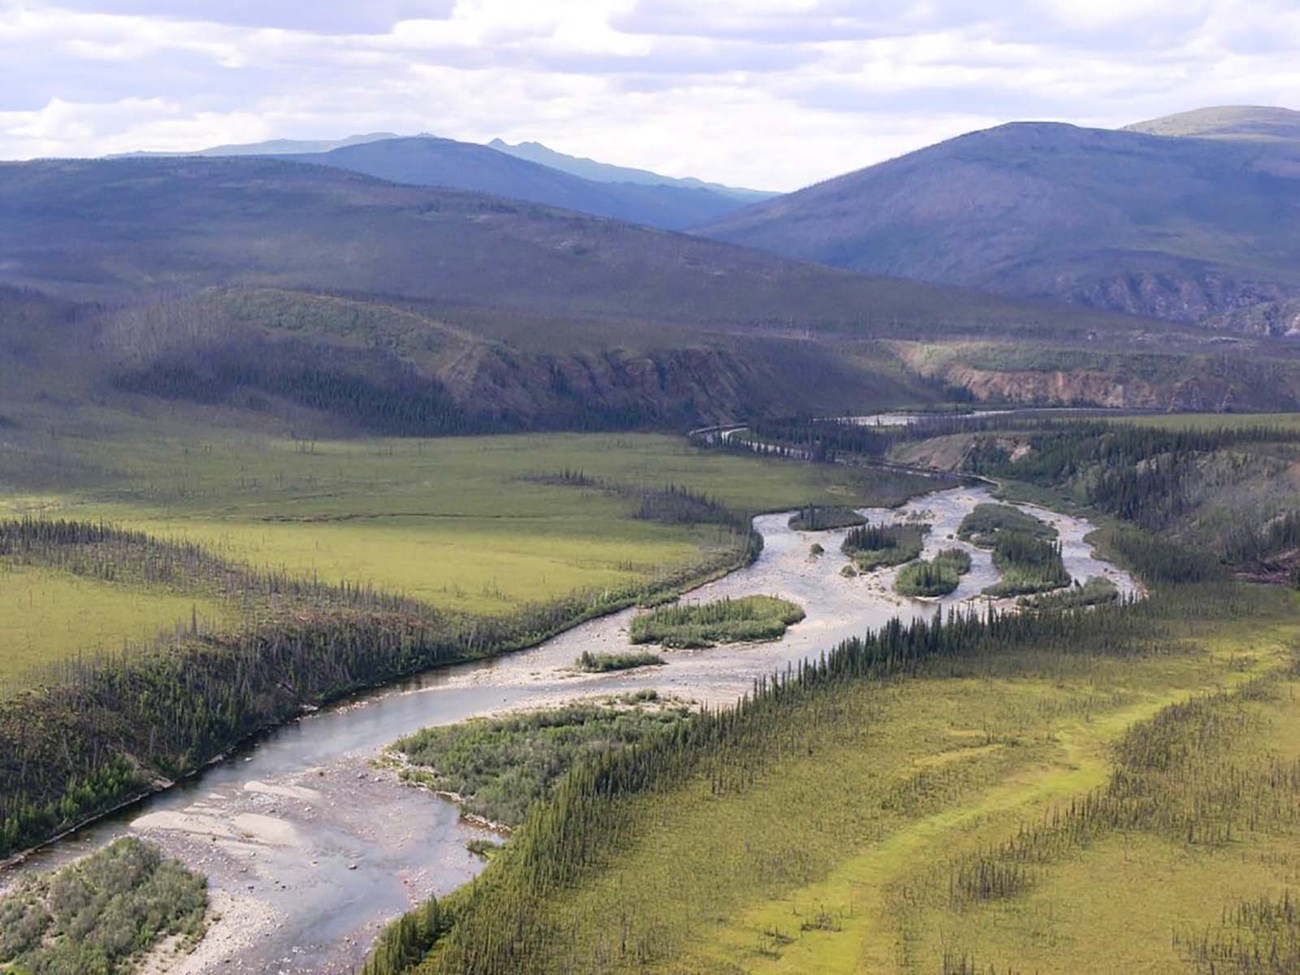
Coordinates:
[1137,473]
[820,440]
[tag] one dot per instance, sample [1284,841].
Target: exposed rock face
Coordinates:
[1213,297]
[1278,317]
[1203,383]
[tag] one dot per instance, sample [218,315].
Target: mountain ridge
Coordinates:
[470,167]
[608,173]
[1177,228]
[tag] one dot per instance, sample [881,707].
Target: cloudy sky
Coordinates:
[766,93]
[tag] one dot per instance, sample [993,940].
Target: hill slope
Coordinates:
[1177,228]
[121,229]
[1237,122]
[430,161]
[305,298]
[606,173]
[319,297]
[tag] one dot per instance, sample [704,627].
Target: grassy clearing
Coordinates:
[98,915]
[463,523]
[689,627]
[47,616]
[1193,835]
[500,766]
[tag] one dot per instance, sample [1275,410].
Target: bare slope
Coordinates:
[1182,229]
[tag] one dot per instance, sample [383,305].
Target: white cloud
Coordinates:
[774,93]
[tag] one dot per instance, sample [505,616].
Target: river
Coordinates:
[309,849]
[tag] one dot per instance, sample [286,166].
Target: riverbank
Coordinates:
[334,848]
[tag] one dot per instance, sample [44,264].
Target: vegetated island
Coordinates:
[988,520]
[693,627]
[880,546]
[497,767]
[933,577]
[1025,549]
[604,663]
[102,913]
[820,518]
[1094,592]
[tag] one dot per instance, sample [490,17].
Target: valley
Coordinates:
[422,555]
[285,828]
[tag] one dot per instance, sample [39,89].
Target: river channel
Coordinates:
[309,849]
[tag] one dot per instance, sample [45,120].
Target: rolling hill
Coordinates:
[430,161]
[1233,122]
[131,228]
[258,290]
[1185,229]
[606,173]
[317,295]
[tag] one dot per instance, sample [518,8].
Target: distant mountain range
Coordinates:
[1198,224]
[350,288]
[605,173]
[1232,122]
[1189,218]
[429,161]
[261,284]
[272,147]
[529,171]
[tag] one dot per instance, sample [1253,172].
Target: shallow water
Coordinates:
[313,849]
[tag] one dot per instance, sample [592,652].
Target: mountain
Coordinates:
[116,230]
[1236,122]
[606,173]
[430,161]
[318,298]
[1185,229]
[274,147]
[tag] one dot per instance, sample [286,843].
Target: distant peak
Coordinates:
[1226,122]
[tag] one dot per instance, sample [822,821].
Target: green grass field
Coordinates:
[840,856]
[46,615]
[452,521]
[461,523]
